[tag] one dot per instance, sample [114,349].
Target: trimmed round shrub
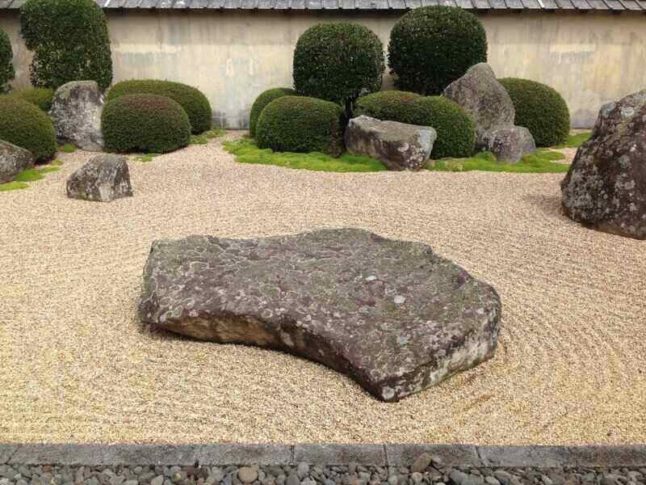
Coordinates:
[455,129]
[430,47]
[263,100]
[70,42]
[301,124]
[540,109]
[7,72]
[41,97]
[338,62]
[26,126]
[193,101]
[144,123]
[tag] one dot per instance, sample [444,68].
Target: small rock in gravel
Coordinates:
[293,479]
[158,480]
[492,481]
[421,463]
[247,474]
[393,480]
[131,482]
[308,481]
[303,469]
[417,477]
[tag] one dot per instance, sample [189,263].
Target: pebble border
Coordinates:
[322,454]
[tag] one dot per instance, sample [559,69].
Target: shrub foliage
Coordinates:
[144,123]
[301,124]
[540,109]
[70,42]
[338,62]
[41,97]
[26,126]
[7,72]
[430,47]
[263,100]
[455,129]
[193,101]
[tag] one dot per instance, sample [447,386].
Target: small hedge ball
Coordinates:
[301,124]
[540,109]
[144,123]
[26,126]
[338,62]
[263,100]
[193,101]
[455,129]
[430,47]
[7,72]
[41,97]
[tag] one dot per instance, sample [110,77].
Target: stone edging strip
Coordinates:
[323,454]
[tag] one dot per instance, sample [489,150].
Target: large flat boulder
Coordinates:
[399,146]
[13,160]
[392,315]
[76,113]
[605,187]
[103,179]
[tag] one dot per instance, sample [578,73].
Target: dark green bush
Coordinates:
[23,124]
[263,100]
[7,72]
[540,109]
[144,123]
[430,47]
[301,124]
[195,104]
[338,62]
[41,97]
[455,129]
[70,42]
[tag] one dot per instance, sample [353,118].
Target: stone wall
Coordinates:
[233,55]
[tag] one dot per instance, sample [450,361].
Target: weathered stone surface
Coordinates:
[399,146]
[13,160]
[102,179]
[510,144]
[484,98]
[605,187]
[76,113]
[390,314]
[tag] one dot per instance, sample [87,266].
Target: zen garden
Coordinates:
[437,280]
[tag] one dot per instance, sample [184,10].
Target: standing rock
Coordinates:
[399,146]
[102,179]
[328,296]
[510,144]
[480,94]
[13,160]
[76,113]
[605,187]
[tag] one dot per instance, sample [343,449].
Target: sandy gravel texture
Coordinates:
[76,366]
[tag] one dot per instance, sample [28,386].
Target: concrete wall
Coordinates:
[234,55]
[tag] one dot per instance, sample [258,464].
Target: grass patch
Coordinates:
[246,151]
[575,140]
[541,161]
[30,175]
[203,138]
[215,133]
[67,148]
[146,157]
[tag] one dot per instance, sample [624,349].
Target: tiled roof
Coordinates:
[582,5]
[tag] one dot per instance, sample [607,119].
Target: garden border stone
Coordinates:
[330,454]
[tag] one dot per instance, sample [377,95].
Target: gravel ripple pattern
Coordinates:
[77,366]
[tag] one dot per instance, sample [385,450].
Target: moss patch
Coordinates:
[145,157]
[30,175]
[575,140]
[67,148]
[246,151]
[13,186]
[542,161]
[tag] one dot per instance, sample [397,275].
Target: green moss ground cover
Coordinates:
[541,161]
[30,175]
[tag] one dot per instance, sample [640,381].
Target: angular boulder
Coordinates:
[76,113]
[510,144]
[605,187]
[103,179]
[399,146]
[391,314]
[13,160]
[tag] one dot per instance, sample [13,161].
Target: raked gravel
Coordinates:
[77,366]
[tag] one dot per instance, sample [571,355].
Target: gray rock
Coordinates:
[293,479]
[103,179]
[399,146]
[605,187]
[421,463]
[247,474]
[13,160]
[484,98]
[509,144]
[76,113]
[302,469]
[158,480]
[308,294]
[491,481]
[416,477]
